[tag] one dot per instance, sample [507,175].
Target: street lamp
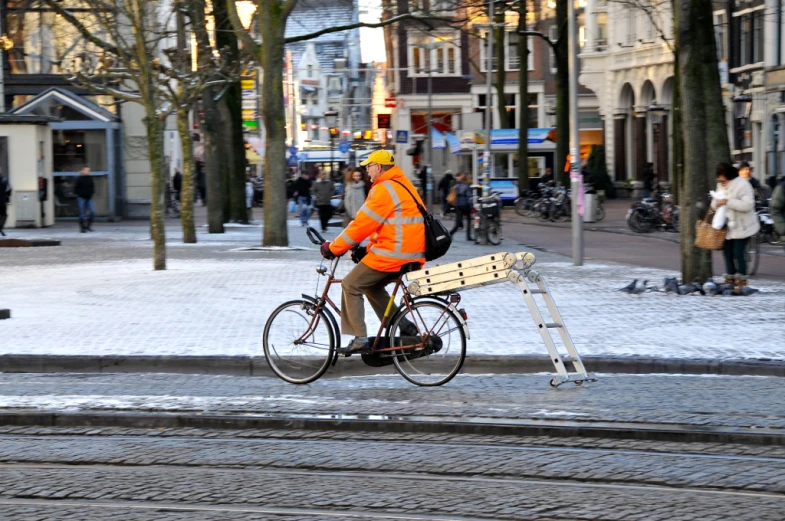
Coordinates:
[331,118]
[656,112]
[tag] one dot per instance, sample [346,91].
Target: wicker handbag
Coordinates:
[707,237]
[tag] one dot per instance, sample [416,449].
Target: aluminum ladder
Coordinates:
[515,268]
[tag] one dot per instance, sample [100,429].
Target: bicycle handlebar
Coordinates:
[314,236]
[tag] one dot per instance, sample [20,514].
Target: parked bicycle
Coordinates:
[487,220]
[654,213]
[301,338]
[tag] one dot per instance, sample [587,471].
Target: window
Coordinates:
[757,37]
[437,55]
[45,43]
[73,149]
[744,47]
[552,36]
[511,56]
[721,34]
[602,32]
[533,111]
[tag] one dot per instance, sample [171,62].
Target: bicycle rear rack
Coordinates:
[515,268]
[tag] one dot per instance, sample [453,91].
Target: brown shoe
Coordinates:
[741,282]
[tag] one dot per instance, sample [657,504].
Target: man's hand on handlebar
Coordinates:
[358,252]
[324,249]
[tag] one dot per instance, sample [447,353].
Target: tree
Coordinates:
[704,128]
[130,68]
[523,97]
[269,54]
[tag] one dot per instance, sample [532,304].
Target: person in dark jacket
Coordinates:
[777,208]
[648,179]
[463,206]
[323,190]
[302,191]
[445,183]
[84,190]
[5,199]
[177,183]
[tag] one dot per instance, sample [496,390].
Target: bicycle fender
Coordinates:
[329,314]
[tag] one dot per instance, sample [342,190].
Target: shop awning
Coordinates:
[511,136]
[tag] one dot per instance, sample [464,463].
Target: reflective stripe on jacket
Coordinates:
[392,221]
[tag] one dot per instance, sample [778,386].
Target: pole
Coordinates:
[575,140]
[428,188]
[486,159]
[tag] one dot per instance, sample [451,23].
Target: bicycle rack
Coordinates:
[515,268]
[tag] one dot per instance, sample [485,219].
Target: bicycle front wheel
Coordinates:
[599,213]
[299,343]
[437,354]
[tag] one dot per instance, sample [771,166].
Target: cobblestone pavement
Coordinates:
[131,474]
[214,300]
[718,401]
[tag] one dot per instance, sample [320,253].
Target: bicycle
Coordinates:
[172,208]
[301,337]
[487,220]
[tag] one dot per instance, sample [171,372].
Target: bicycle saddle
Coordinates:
[406,268]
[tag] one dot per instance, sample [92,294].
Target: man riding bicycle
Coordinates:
[397,237]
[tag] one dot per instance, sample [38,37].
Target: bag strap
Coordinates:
[709,215]
[422,210]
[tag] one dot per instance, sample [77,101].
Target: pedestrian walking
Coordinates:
[249,198]
[354,195]
[445,184]
[776,207]
[177,183]
[84,190]
[302,192]
[5,200]
[323,190]
[463,206]
[742,222]
[648,179]
[761,191]
[422,176]
[201,183]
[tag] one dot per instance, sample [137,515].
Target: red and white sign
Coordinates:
[391,103]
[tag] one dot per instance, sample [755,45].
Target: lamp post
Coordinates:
[656,112]
[331,119]
[575,139]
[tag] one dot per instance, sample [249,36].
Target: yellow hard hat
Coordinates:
[380,157]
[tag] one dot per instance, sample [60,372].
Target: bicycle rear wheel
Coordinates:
[493,232]
[599,213]
[438,353]
[752,255]
[298,344]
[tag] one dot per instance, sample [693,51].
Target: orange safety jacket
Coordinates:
[391,219]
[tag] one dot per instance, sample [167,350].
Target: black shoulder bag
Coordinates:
[437,238]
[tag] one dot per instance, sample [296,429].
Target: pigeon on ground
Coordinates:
[710,288]
[687,289]
[670,285]
[639,288]
[629,287]
[747,291]
[727,290]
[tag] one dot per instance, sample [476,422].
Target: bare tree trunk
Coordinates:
[274,119]
[523,100]
[705,137]
[155,146]
[187,191]
[233,143]
[562,94]
[212,156]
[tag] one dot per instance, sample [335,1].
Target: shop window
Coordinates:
[74,149]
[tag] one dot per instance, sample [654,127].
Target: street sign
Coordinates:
[402,136]
[292,151]
[383,121]
[391,102]
[343,147]
[302,156]
[292,161]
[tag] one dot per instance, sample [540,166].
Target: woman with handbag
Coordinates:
[463,206]
[742,225]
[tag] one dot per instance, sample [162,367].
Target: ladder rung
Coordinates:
[567,359]
[552,325]
[538,291]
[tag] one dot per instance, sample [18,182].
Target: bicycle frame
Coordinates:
[325,300]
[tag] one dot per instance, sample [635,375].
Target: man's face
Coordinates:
[85,171]
[374,171]
[323,176]
[547,171]
[745,172]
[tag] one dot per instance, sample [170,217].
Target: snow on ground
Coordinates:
[219,307]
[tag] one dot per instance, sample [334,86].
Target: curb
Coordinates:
[257,366]
[418,425]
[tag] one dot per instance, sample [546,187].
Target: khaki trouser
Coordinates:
[363,280]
